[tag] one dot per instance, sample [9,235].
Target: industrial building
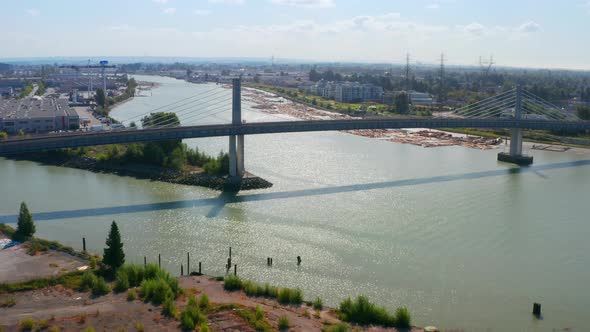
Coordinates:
[37,115]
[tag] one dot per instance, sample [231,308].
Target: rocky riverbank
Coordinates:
[151,172]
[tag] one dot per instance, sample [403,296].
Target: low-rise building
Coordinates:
[37,115]
[421,99]
[347,91]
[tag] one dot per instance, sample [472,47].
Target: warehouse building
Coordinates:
[37,115]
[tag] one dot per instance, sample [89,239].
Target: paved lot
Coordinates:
[83,113]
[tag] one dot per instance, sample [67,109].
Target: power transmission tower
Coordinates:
[441,85]
[486,67]
[408,81]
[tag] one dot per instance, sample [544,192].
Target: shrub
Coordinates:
[363,312]
[88,281]
[93,262]
[283,322]
[186,321]
[122,282]
[54,329]
[131,295]
[101,287]
[296,297]
[191,316]
[169,308]
[139,327]
[156,290]
[9,302]
[89,329]
[232,283]
[192,301]
[284,295]
[290,296]
[259,313]
[27,324]
[204,328]
[43,324]
[270,291]
[204,302]
[35,247]
[318,304]
[402,317]
[134,274]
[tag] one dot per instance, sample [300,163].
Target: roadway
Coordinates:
[80,139]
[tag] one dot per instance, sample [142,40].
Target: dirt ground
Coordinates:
[70,310]
[300,321]
[74,311]
[17,265]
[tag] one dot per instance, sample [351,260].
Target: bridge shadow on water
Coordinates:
[218,203]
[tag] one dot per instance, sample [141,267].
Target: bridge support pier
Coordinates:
[515,155]
[236,143]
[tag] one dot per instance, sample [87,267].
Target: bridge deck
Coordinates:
[78,139]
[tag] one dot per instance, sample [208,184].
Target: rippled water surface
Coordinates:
[462,240]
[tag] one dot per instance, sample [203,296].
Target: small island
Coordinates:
[168,161]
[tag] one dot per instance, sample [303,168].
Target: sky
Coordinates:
[518,33]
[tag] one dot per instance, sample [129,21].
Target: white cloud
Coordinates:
[34,12]
[169,11]
[227,2]
[474,29]
[433,6]
[161,2]
[202,12]
[528,27]
[305,3]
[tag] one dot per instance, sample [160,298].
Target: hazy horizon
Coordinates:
[524,34]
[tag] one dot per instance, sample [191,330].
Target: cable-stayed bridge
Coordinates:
[516,109]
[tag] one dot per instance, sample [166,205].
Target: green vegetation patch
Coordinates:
[70,280]
[283,295]
[261,325]
[361,311]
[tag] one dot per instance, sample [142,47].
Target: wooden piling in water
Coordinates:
[537,309]
[144,261]
[181,270]
[159,261]
[188,264]
[199,268]
[235,269]
[84,244]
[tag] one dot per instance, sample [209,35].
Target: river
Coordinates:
[460,239]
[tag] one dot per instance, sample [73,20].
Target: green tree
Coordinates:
[25,227]
[113,253]
[3,135]
[100,97]
[584,112]
[402,103]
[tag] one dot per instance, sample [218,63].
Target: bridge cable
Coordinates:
[174,103]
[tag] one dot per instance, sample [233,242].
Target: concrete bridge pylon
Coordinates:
[236,142]
[515,155]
